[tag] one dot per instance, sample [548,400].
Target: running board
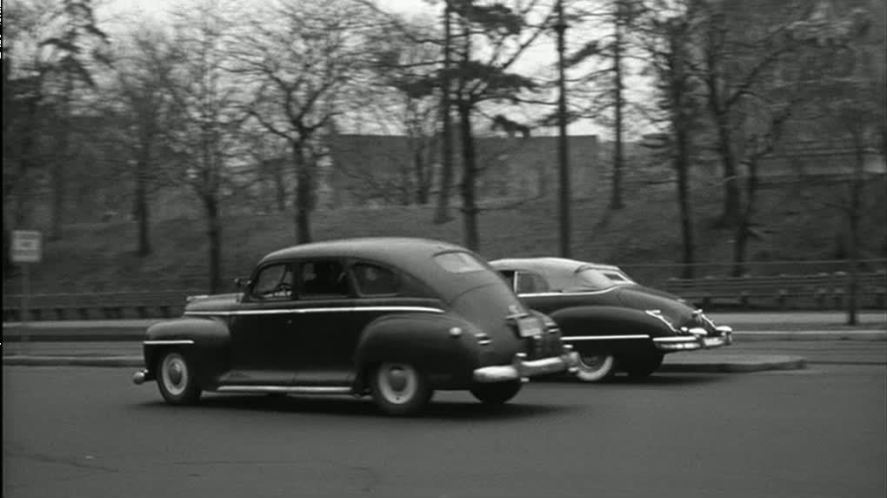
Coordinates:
[284,389]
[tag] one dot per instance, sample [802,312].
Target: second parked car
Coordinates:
[612,324]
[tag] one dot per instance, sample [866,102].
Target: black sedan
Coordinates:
[612,323]
[393,318]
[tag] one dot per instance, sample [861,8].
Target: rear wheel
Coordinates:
[496,393]
[399,388]
[175,378]
[595,367]
[641,365]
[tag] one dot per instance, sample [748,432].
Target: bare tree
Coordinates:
[669,29]
[68,57]
[205,137]
[408,100]
[145,109]
[491,39]
[736,62]
[300,67]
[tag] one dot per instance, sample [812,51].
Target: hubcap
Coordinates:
[175,374]
[397,383]
[593,362]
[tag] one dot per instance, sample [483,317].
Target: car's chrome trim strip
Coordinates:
[314,310]
[676,339]
[584,293]
[168,342]
[284,389]
[602,337]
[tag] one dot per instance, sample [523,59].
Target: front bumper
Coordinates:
[695,341]
[523,369]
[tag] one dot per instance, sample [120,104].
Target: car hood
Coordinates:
[643,298]
[656,292]
[214,302]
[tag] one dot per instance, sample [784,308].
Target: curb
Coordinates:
[737,364]
[73,361]
[812,335]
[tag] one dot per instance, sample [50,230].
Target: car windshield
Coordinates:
[618,277]
[590,279]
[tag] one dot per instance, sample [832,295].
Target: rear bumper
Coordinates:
[522,369]
[689,343]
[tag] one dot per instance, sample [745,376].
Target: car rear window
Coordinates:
[458,262]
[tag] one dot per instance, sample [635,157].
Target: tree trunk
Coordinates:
[141,200]
[686,211]
[470,233]
[214,233]
[303,195]
[280,187]
[618,160]
[60,162]
[730,215]
[854,215]
[442,214]
[420,169]
[744,221]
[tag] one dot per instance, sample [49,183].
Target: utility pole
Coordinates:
[562,150]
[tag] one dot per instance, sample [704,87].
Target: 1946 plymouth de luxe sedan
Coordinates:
[394,318]
[611,321]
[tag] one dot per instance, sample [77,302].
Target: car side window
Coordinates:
[508,276]
[374,280]
[323,279]
[529,283]
[274,282]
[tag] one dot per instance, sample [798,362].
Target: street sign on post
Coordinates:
[26,246]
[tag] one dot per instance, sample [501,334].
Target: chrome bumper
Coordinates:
[700,341]
[523,369]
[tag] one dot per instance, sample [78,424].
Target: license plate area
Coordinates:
[529,326]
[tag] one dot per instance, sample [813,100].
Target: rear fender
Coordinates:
[585,321]
[441,347]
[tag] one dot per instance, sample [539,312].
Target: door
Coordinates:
[262,347]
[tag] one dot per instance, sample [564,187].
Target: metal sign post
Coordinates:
[26,248]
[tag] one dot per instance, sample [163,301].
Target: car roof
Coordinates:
[548,264]
[392,250]
[411,255]
[552,267]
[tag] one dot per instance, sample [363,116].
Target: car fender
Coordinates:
[442,347]
[203,339]
[608,321]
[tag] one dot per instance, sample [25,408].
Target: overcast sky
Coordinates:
[119,15]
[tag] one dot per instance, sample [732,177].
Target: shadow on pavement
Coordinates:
[657,379]
[364,407]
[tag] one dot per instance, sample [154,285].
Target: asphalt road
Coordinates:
[817,432]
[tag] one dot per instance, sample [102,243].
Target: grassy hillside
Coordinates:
[794,224]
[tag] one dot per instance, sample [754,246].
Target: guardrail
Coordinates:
[821,291]
[107,305]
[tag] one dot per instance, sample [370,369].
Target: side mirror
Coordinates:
[241,283]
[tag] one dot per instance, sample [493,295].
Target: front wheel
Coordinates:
[496,393]
[641,365]
[176,381]
[595,367]
[399,389]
